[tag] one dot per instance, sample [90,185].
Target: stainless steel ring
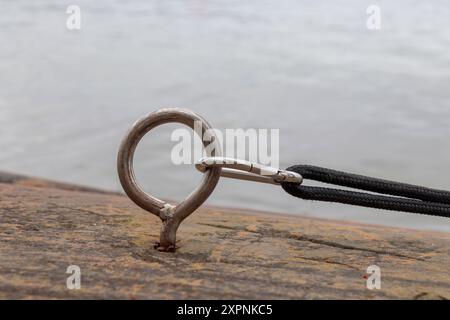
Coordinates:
[171,215]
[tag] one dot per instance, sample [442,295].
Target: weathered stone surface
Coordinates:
[222,253]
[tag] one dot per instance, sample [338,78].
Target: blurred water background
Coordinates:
[345,97]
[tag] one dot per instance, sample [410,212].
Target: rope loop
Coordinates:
[387,194]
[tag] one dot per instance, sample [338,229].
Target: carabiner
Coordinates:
[246,170]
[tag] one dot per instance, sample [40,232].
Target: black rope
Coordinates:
[403,197]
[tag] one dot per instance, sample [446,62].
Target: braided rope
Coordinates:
[404,197]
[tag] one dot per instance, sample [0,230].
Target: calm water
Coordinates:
[375,103]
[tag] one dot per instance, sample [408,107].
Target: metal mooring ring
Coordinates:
[170,215]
